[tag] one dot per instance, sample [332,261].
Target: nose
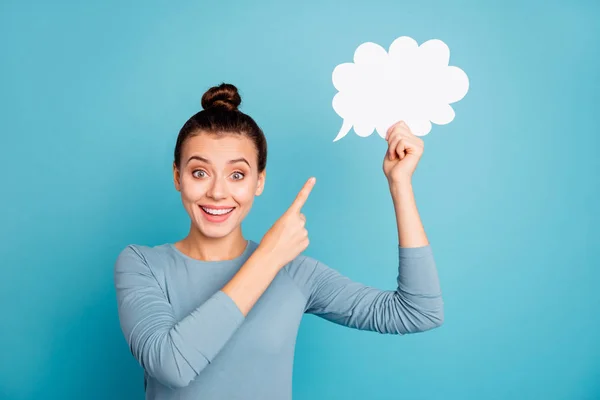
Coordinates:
[217,189]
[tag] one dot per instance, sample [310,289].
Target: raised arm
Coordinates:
[416,305]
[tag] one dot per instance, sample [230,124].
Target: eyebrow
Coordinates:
[199,158]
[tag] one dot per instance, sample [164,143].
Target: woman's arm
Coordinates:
[175,351]
[410,229]
[416,305]
[400,161]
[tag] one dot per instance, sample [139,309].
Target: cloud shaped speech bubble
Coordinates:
[411,83]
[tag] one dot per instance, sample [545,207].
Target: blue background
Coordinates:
[92,97]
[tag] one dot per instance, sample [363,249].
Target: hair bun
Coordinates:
[225,95]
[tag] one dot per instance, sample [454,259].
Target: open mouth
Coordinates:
[216,215]
[217,212]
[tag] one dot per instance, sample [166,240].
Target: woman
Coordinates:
[215,316]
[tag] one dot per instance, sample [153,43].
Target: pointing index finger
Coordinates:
[302,195]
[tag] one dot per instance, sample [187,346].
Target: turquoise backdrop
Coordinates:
[92,95]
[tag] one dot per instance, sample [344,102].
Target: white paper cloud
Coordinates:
[411,83]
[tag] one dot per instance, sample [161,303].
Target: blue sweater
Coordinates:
[194,343]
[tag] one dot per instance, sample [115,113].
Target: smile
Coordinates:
[213,211]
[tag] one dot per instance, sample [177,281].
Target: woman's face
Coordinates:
[218,174]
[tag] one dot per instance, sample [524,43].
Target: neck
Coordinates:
[204,248]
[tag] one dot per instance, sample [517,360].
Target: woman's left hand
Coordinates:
[403,153]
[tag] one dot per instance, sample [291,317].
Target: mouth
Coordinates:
[216,214]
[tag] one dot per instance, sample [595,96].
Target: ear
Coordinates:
[261,183]
[176,178]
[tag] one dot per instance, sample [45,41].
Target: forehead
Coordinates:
[219,148]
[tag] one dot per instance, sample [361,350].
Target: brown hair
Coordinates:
[220,115]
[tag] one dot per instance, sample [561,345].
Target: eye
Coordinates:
[239,173]
[198,170]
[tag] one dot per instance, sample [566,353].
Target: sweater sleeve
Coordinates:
[173,352]
[415,305]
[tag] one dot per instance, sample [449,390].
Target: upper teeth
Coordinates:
[217,212]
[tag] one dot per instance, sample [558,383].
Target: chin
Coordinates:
[214,232]
[213,235]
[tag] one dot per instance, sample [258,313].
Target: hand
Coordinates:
[403,153]
[287,237]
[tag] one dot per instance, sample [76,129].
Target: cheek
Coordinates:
[192,190]
[242,193]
